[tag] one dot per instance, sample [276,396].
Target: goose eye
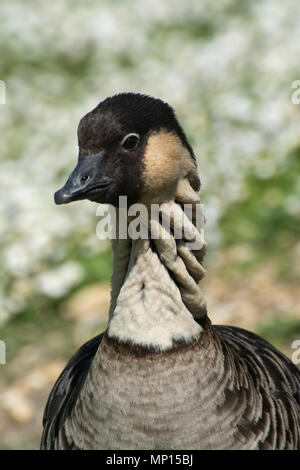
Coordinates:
[130,142]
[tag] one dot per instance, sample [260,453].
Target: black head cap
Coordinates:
[124,113]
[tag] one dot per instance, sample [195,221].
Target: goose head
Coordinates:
[129,145]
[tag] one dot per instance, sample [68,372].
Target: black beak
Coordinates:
[87,179]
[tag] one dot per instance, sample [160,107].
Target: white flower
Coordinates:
[56,283]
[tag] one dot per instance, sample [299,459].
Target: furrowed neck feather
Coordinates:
[155,296]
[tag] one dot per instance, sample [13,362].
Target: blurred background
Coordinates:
[227,67]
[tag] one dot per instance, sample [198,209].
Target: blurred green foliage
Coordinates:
[280,330]
[266,216]
[261,216]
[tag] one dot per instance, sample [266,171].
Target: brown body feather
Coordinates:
[228,390]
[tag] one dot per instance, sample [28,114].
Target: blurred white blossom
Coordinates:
[56,283]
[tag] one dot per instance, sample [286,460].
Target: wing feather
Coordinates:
[64,394]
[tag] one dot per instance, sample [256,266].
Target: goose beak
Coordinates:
[87,180]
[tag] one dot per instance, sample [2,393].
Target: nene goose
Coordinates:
[161,376]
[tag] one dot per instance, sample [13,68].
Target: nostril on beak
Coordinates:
[84,179]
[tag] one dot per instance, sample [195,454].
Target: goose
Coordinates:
[162,376]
